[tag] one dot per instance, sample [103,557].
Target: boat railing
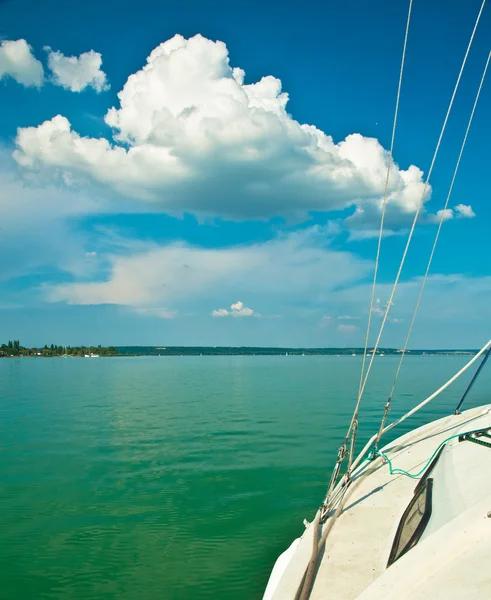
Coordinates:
[414,410]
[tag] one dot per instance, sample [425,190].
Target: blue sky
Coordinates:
[223,187]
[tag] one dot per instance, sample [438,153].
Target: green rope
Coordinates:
[395,470]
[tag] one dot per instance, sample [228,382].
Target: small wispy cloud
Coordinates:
[325,321]
[356,235]
[379,309]
[347,328]
[348,318]
[162,313]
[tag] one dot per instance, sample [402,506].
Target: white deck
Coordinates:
[353,561]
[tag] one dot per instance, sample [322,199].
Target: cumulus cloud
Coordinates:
[461,211]
[348,318]
[364,222]
[190,135]
[446,213]
[236,310]
[76,73]
[220,312]
[18,61]
[465,211]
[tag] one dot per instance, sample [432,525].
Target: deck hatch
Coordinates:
[413,521]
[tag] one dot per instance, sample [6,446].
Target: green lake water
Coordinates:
[179,477]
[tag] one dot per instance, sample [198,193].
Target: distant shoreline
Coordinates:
[277,351]
[122,351]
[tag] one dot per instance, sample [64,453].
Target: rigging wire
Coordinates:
[437,235]
[343,491]
[471,383]
[342,449]
[384,201]
[354,420]
[353,427]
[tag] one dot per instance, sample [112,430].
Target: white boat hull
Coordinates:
[353,561]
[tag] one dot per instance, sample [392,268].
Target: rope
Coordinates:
[413,226]
[306,588]
[442,218]
[397,471]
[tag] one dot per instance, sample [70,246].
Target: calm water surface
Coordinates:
[177,477]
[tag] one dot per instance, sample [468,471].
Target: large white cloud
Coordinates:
[76,73]
[190,135]
[18,61]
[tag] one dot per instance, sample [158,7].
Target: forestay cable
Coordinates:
[384,201]
[352,427]
[442,219]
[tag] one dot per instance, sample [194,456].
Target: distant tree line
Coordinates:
[14,348]
[237,351]
[273,351]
